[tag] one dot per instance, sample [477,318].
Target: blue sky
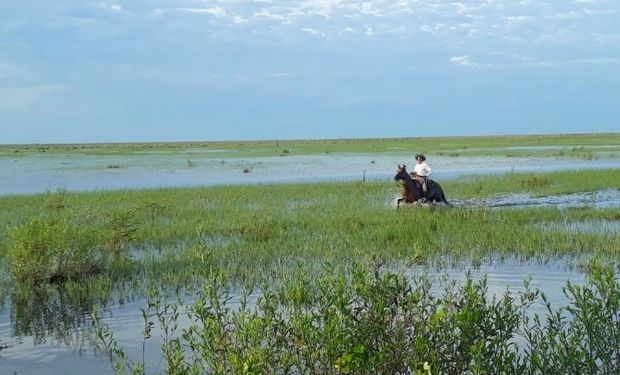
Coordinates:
[200,70]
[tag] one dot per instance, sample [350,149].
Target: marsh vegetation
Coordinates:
[324,258]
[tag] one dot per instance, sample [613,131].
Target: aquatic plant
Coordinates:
[68,246]
[52,250]
[366,320]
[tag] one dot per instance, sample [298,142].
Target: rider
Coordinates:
[421,172]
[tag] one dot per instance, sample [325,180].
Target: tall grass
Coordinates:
[242,228]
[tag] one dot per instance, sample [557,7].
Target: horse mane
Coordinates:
[409,187]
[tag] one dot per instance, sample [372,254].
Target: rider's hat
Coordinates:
[420,156]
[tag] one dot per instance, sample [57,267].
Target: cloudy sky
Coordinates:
[164,70]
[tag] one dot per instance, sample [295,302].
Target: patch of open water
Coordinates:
[597,199]
[38,174]
[72,352]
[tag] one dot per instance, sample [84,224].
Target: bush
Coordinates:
[365,321]
[52,250]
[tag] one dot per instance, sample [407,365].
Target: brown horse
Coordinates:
[412,192]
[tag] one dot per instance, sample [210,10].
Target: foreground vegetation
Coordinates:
[368,321]
[62,253]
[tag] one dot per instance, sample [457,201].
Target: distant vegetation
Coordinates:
[582,146]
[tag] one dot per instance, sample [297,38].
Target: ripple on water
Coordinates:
[609,198]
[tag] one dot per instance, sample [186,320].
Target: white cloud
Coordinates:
[313,31]
[465,60]
[267,14]
[461,60]
[599,61]
[441,24]
[113,7]
[588,61]
[217,11]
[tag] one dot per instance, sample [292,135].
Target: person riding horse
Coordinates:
[421,172]
[411,192]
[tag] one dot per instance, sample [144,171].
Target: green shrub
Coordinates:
[366,321]
[52,250]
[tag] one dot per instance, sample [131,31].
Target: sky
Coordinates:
[208,70]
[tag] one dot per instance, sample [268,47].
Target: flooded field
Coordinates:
[598,199]
[44,173]
[58,343]
[164,236]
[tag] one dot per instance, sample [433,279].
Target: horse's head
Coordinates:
[401,173]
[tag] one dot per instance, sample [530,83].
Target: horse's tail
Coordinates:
[443,198]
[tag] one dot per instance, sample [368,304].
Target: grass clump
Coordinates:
[50,250]
[60,247]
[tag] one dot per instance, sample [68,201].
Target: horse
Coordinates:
[412,193]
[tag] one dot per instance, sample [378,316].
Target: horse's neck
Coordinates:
[411,186]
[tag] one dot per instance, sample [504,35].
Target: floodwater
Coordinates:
[64,346]
[597,199]
[57,339]
[47,173]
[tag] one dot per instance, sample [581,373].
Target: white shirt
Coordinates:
[422,169]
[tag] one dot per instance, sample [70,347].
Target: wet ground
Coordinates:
[72,353]
[597,199]
[42,173]
[62,345]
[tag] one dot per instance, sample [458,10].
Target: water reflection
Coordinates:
[51,332]
[49,315]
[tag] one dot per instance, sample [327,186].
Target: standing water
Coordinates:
[58,339]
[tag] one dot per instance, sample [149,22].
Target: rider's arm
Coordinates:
[428,170]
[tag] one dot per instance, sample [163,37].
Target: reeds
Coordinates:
[270,226]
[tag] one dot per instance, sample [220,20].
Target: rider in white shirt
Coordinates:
[421,171]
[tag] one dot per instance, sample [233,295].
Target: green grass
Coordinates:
[167,232]
[573,145]
[174,239]
[535,184]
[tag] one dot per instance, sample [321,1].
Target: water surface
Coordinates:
[81,172]
[67,349]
